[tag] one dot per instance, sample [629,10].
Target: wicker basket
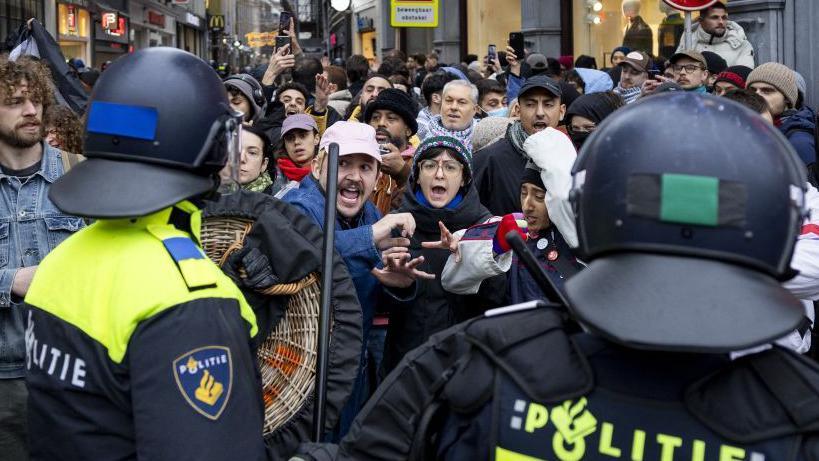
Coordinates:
[287,358]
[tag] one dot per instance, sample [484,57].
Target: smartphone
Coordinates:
[653,74]
[282,40]
[516,42]
[493,53]
[284,21]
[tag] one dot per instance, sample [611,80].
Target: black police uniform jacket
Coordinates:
[517,387]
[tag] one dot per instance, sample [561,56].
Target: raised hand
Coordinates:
[447,242]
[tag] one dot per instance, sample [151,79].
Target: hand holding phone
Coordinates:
[492,53]
[284,22]
[516,42]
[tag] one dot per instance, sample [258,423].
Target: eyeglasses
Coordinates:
[450,167]
[689,68]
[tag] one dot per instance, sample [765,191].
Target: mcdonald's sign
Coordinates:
[216,22]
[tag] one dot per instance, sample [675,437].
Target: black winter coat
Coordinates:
[498,171]
[433,309]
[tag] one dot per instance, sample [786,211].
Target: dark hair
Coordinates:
[293,86]
[552,68]
[267,149]
[420,58]
[469,58]
[396,53]
[748,99]
[716,6]
[573,76]
[488,85]
[337,75]
[393,65]
[67,127]
[585,62]
[433,152]
[473,76]
[357,68]
[305,72]
[434,83]
[398,79]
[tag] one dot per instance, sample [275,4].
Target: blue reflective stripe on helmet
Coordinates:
[123,120]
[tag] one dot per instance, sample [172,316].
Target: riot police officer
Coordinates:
[137,345]
[688,238]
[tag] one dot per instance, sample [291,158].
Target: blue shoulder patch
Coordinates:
[182,248]
[204,377]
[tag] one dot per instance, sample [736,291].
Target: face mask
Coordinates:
[500,112]
[578,139]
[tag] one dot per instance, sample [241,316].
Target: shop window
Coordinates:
[648,25]
[73,21]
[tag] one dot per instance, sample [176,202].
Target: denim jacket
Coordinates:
[30,227]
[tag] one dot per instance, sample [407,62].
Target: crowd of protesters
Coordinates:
[436,163]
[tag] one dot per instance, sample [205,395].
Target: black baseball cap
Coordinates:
[540,81]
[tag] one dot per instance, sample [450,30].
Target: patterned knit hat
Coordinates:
[779,76]
[455,148]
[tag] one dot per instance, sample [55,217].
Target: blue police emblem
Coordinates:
[204,377]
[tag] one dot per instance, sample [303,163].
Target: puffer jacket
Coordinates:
[734,46]
[799,126]
[433,309]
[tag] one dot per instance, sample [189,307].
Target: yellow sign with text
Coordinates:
[414,13]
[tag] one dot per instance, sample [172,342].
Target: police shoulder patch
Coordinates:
[204,377]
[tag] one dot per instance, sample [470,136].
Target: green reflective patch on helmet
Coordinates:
[689,199]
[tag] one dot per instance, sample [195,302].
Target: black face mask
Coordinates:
[578,138]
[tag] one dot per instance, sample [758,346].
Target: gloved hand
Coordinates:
[511,222]
[259,273]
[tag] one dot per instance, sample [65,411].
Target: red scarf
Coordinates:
[292,171]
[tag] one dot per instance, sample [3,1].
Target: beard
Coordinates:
[19,140]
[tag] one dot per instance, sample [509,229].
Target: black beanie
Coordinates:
[594,106]
[396,101]
[531,175]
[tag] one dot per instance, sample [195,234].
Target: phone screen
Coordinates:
[493,52]
[516,42]
[653,74]
[284,20]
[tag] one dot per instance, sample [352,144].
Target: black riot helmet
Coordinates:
[688,208]
[159,129]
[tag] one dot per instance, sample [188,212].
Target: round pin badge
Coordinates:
[552,256]
[542,244]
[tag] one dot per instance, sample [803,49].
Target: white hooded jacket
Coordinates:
[734,46]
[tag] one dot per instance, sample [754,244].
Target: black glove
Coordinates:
[259,273]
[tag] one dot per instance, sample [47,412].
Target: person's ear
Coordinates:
[436,98]
[316,139]
[265,162]
[562,111]
[315,166]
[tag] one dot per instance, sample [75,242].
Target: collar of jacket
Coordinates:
[466,214]
[51,164]
[734,35]
[182,211]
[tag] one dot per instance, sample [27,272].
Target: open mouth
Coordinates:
[349,195]
[381,139]
[540,126]
[437,193]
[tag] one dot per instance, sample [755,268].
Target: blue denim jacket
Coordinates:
[30,227]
